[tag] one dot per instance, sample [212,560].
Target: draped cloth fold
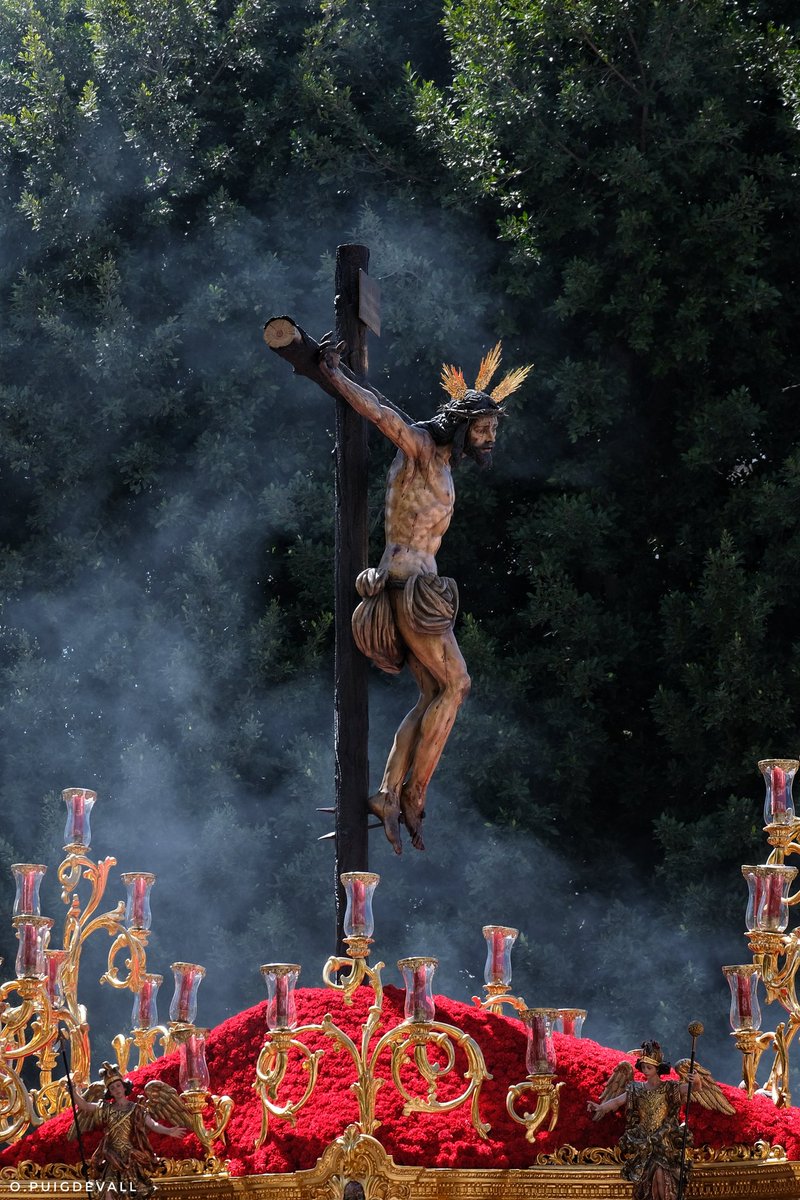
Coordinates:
[429,605]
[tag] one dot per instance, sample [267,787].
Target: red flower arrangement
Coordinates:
[441,1139]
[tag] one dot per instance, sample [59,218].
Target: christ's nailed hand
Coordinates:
[330,352]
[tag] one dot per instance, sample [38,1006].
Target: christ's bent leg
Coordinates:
[442,659]
[385,803]
[434,732]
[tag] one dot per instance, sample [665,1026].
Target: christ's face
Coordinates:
[480,439]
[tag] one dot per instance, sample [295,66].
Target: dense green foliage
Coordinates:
[611,188]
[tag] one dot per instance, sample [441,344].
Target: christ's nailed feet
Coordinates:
[387,807]
[412,808]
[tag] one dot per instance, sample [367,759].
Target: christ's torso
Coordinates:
[419,504]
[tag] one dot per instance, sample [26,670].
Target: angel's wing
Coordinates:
[88,1120]
[165,1105]
[617,1082]
[709,1093]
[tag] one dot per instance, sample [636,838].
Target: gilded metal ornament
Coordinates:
[757,1172]
[196,1101]
[144,1042]
[40,1007]
[775,950]
[31,1029]
[499,939]
[409,1040]
[547,1103]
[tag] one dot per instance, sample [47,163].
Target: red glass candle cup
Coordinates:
[745,1010]
[33,934]
[192,1068]
[418,979]
[28,878]
[540,1052]
[78,831]
[778,775]
[281,979]
[53,961]
[359,887]
[768,892]
[145,1003]
[137,902]
[183,1007]
[499,940]
[570,1021]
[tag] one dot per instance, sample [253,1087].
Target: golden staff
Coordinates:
[695,1029]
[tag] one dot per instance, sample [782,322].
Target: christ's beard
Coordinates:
[482,457]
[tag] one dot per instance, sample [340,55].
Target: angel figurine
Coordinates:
[124,1160]
[652,1143]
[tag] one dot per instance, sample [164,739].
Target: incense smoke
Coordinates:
[115,672]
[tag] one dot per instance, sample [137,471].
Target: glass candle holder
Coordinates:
[778,775]
[499,940]
[78,830]
[418,979]
[569,1021]
[281,980]
[145,1003]
[137,901]
[745,1010]
[359,887]
[768,892]
[540,1051]
[192,1068]
[28,878]
[33,934]
[183,1006]
[53,961]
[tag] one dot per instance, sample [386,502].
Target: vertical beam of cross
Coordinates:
[351,718]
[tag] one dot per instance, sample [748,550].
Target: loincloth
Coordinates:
[429,604]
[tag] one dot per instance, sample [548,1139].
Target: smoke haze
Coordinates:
[151,663]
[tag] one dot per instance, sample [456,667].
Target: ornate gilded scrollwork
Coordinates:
[546,1093]
[144,1042]
[410,1041]
[775,950]
[222,1107]
[270,1071]
[568,1156]
[47,980]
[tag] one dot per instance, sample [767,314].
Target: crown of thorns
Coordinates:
[454,383]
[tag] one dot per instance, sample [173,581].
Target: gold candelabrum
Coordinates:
[183,1034]
[540,1023]
[412,1038]
[196,1084]
[46,983]
[39,1009]
[775,949]
[145,1032]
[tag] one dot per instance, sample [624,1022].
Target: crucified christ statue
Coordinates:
[407,610]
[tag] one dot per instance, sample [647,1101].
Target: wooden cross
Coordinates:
[357,307]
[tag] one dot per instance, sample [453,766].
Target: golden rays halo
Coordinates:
[454,383]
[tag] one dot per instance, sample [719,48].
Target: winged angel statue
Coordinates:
[652,1142]
[124,1161]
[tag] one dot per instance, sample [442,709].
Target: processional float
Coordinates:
[40,1009]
